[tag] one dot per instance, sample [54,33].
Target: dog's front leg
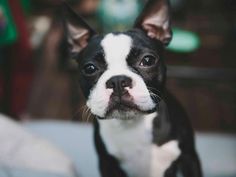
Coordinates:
[108,165]
[190,165]
[172,171]
[110,168]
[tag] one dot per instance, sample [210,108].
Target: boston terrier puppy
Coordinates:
[140,129]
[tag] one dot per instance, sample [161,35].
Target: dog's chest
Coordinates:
[130,142]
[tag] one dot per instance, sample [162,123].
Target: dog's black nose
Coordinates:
[118,84]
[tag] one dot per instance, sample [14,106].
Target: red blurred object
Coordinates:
[20,67]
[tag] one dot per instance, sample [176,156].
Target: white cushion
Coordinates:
[21,149]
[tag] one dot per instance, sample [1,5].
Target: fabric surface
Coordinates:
[22,152]
[216,151]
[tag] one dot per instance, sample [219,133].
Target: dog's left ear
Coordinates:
[77,30]
[155,20]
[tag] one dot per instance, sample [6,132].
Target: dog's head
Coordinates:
[122,73]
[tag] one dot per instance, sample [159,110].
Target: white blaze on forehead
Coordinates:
[116,49]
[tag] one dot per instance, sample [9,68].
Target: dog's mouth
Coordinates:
[121,103]
[123,107]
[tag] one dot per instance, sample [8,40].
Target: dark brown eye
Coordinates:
[148,60]
[90,69]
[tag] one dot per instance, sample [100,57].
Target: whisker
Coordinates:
[88,114]
[84,112]
[154,95]
[151,88]
[76,113]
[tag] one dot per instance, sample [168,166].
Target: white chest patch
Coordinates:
[130,141]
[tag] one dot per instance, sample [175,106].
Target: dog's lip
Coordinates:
[124,103]
[121,104]
[126,106]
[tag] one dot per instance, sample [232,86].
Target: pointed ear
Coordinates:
[77,30]
[155,20]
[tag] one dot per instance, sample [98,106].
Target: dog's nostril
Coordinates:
[126,83]
[123,84]
[110,84]
[119,83]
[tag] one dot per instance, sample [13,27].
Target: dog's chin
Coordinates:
[123,114]
[121,109]
[124,111]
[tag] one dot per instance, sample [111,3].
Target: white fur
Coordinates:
[116,49]
[130,141]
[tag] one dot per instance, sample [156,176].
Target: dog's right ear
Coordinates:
[77,30]
[155,20]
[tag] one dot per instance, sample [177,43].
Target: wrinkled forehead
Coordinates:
[109,45]
[116,47]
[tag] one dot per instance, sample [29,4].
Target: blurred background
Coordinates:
[39,89]
[38,80]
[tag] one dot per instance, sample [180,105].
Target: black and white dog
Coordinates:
[140,129]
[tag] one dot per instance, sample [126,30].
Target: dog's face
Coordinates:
[119,71]
[122,74]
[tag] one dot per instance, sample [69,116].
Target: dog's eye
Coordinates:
[148,60]
[90,69]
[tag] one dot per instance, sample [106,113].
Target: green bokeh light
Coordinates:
[184,41]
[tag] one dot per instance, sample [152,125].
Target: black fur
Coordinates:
[171,123]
